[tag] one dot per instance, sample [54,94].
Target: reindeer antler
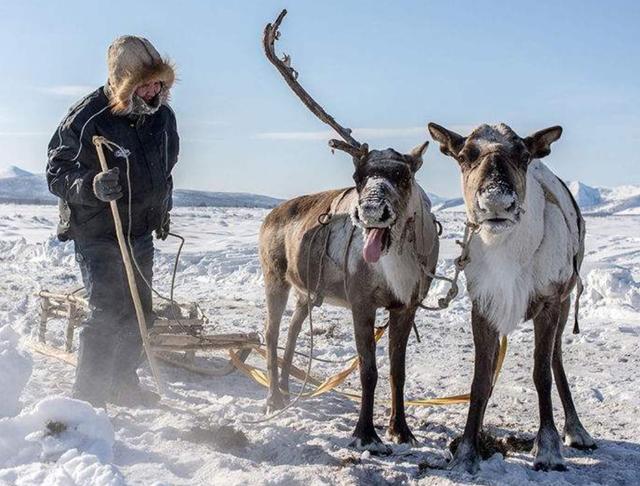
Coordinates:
[290,75]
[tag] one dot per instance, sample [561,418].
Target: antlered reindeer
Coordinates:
[385,264]
[524,263]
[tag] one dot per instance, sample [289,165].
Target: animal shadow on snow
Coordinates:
[612,463]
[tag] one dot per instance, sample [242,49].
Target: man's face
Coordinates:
[149,90]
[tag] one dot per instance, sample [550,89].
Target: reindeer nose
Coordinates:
[374,212]
[497,199]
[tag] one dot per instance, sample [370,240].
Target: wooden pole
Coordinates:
[68,343]
[126,259]
[44,317]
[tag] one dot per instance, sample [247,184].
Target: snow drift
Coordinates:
[59,441]
[15,370]
[613,286]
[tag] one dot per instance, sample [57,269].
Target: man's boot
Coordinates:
[95,368]
[130,393]
[126,389]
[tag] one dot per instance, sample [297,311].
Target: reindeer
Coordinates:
[386,264]
[524,262]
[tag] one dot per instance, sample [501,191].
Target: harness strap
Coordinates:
[333,381]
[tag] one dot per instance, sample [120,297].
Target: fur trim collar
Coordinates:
[121,96]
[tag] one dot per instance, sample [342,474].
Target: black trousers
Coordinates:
[110,344]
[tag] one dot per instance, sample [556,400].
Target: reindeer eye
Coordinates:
[468,156]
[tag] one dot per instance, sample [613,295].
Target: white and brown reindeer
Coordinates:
[524,263]
[377,250]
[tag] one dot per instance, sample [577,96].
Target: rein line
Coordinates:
[470,229]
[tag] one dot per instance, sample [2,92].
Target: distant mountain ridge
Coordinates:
[13,171]
[20,186]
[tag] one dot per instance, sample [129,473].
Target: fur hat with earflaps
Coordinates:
[132,62]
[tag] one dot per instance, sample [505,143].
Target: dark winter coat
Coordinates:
[152,144]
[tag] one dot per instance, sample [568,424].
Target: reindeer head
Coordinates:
[384,182]
[494,161]
[384,178]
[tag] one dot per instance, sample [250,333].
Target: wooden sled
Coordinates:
[177,336]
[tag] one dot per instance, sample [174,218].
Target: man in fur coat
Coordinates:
[131,110]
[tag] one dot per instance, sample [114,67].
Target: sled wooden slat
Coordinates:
[52,352]
[171,326]
[181,342]
[70,297]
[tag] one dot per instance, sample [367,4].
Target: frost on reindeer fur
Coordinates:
[15,370]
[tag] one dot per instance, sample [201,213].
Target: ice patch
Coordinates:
[15,370]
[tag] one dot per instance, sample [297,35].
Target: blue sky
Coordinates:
[387,68]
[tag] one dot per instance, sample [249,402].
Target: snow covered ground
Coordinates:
[200,435]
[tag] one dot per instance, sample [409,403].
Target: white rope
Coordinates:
[460,263]
[60,143]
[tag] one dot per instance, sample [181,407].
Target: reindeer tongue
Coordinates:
[373,245]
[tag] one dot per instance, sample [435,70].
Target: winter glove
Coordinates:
[163,231]
[106,185]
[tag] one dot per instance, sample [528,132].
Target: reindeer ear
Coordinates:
[415,156]
[539,144]
[450,142]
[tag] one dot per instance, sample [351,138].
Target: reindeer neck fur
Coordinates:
[413,243]
[507,271]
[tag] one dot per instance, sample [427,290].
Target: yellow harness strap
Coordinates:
[329,384]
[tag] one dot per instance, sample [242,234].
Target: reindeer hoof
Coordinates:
[546,449]
[465,459]
[401,435]
[284,388]
[370,442]
[275,402]
[578,438]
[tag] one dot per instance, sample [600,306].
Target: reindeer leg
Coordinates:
[574,433]
[485,339]
[364,317]
[547,445]
[277,292]
[299,315]
[400,325]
